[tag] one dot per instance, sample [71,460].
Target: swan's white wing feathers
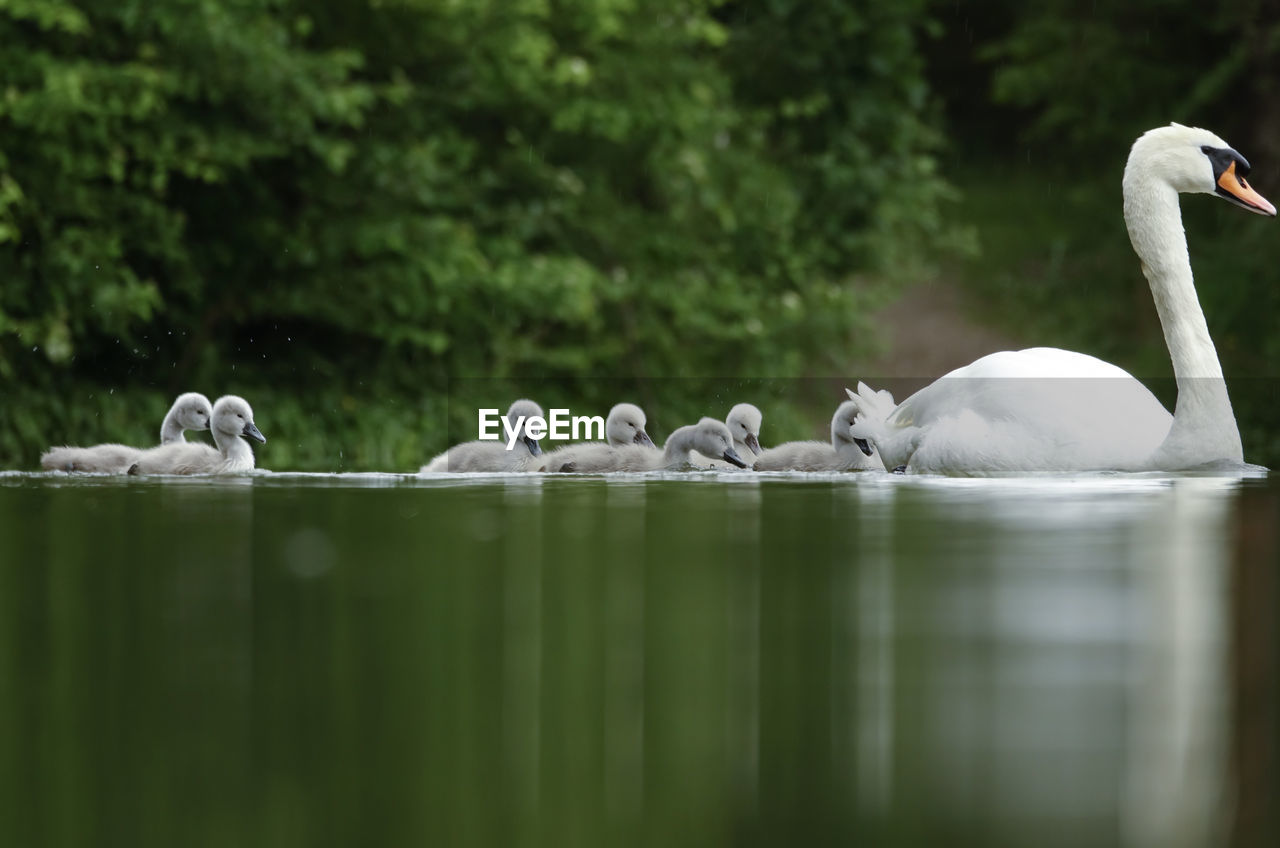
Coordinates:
[1038,409]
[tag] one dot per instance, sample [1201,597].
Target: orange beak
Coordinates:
[1240,191]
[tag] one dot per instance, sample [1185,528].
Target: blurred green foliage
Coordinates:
[335,207]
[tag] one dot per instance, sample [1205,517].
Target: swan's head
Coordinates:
[711,438]
[193,411]
[1194,161]
[232,416]
[744,422]
[527,410]
[625,426]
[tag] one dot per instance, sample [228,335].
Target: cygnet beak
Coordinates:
[534,448]
[252,432]
[731,455]
[642,438]
[752,442]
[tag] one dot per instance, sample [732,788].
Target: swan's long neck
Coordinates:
[234,450]
[839,429]
[171,429]
[1204,426]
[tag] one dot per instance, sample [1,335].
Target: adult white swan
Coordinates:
[1046,409]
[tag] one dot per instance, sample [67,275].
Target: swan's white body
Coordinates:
[191,411]
[624,426]
[1046,409]
[1041,409]
[708,437]
[840,454]
[232,418]
[744,421]
[494,456]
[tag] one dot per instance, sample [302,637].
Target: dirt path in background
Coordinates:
[927,332]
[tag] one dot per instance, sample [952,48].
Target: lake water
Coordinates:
[701,660]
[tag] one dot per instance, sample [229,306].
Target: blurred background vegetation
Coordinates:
[344,209]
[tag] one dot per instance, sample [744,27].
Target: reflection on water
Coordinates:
[748,660]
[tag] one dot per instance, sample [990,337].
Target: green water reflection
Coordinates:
[376,660]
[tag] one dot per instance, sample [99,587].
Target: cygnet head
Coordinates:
[871,410]
[232,416]
[712,438]
[1196,161]
[744,422]
[194,412]
[842,424]
[625,426]
[527,410]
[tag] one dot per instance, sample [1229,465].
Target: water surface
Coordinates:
[703,660]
